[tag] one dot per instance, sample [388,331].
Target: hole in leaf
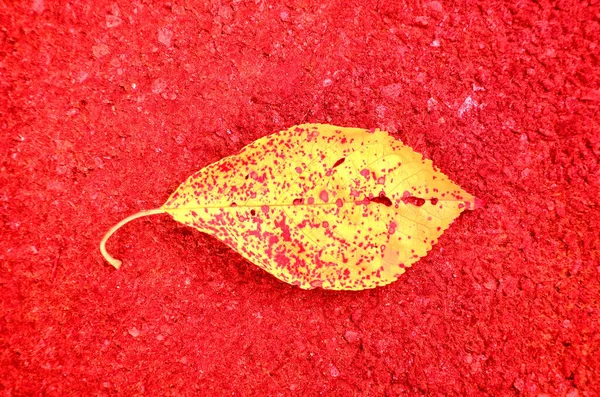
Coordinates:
[252,212]
[382,199]
[339,162]
[233,204]
[298,201]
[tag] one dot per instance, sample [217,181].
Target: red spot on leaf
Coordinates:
[282,260]
[324,196]
[313,134]
[381,180]
[299,170]
[298,201]
[365,173]
[224,167]
[316,283]
[434,201]
[392,228]
[339,202]
[364,201]
[285,229]
[407,198]
[311,200]
[265,209]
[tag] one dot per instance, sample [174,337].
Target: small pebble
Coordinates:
[352,336]
[334,371]
[164,36]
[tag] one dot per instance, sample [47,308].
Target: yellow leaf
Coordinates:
[321,206]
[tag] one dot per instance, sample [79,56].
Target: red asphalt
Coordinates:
[106,107]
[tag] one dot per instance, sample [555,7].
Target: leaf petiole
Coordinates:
[115,262]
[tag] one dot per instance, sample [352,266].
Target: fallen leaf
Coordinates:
[321,206]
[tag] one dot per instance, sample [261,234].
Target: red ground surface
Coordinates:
[106,108]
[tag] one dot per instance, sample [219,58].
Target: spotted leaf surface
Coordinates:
[324,206]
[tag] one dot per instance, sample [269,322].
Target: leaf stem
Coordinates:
[115,262]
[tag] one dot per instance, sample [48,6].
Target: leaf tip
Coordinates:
[479,203]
